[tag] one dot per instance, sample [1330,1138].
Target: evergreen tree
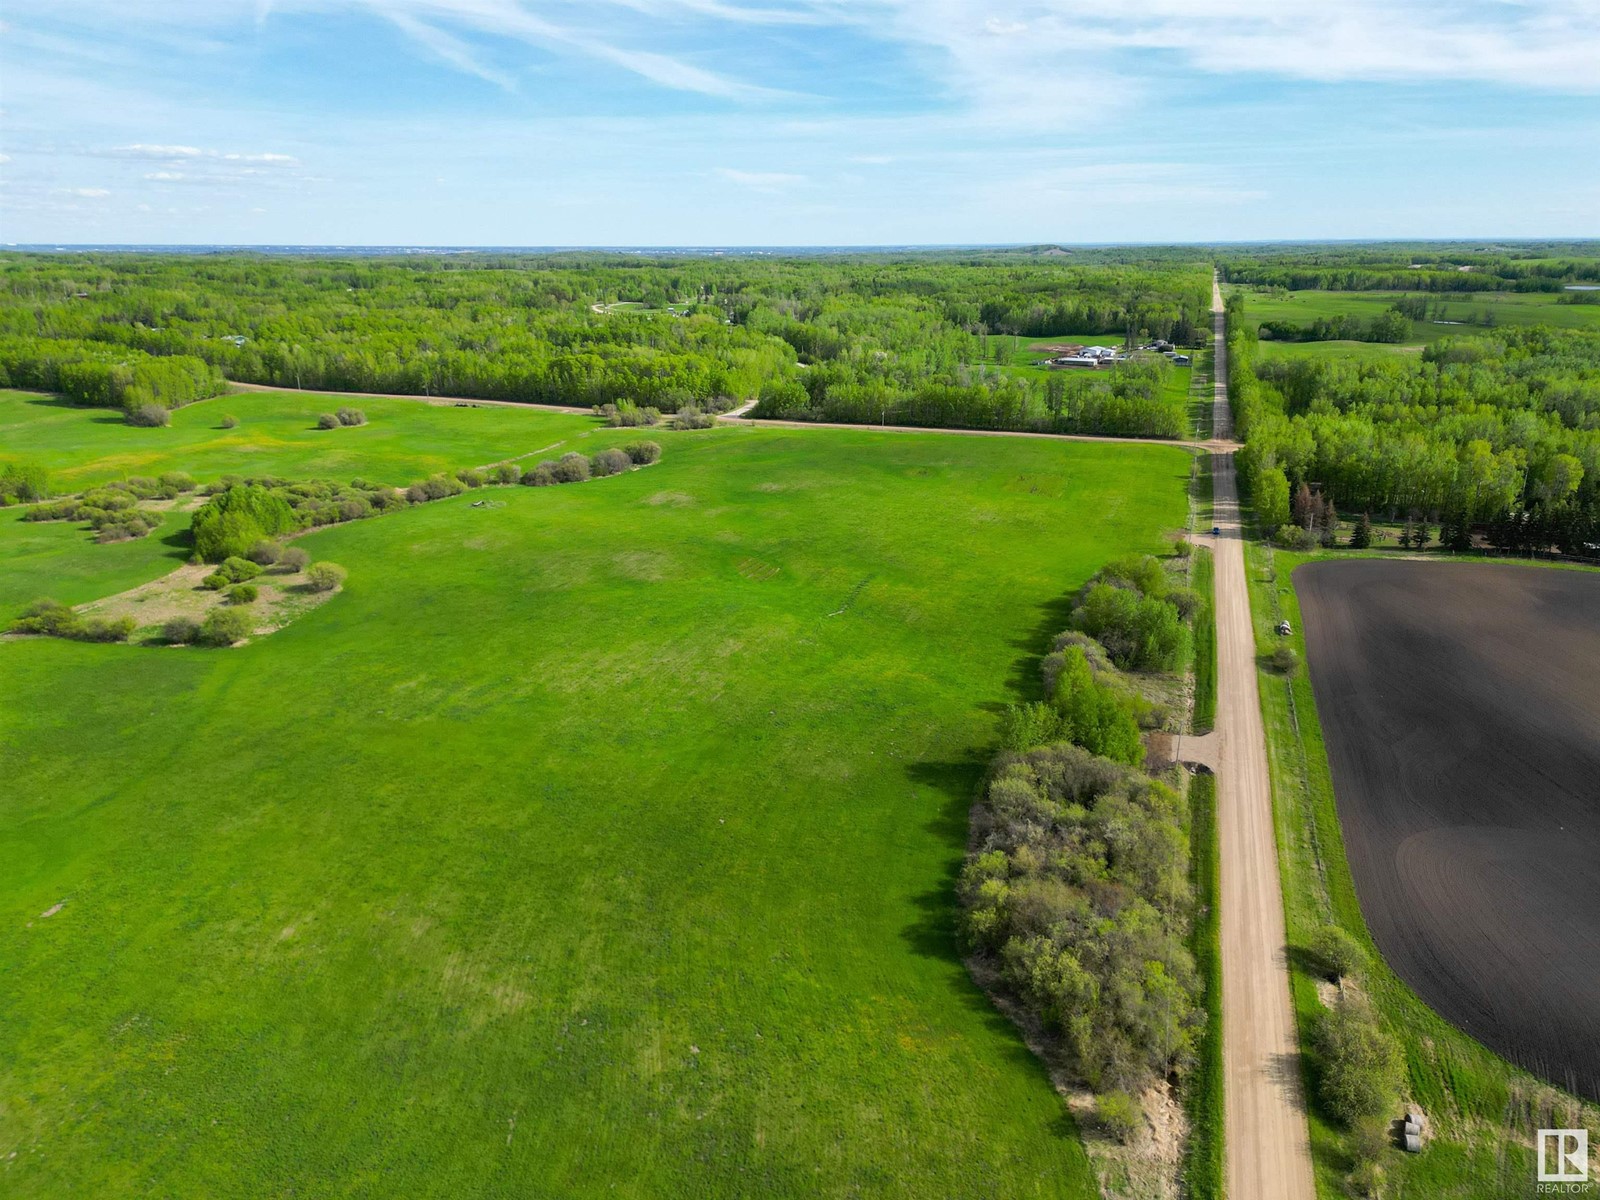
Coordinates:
[1361,536]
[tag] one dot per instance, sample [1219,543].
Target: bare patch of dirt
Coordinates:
[281,598]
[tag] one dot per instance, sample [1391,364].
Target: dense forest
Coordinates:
[1499,432]
[851,338]
[1421,267]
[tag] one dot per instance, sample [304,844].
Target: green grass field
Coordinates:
[1508,308]
[1471,1094]
[404,440]
[601,844]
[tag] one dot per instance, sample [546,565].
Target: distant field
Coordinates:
[1508,308]
[601,844]
[404,440]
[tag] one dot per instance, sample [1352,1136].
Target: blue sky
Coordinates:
[784,122]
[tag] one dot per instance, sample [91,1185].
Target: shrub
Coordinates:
[104,629]
[148,416]
[54,619]
[627,415]
[293,559]
[23,482]
[572,467]
[1360,1064]
[1340,955]
[176,482]
[691,417]
[610,462]
[230,422]
[325,576]
[180,631]
[243,593]
[1024,726]
[232,570]
[1292,537]
[46,616]
[238,517]
[225,626]
[542,475]
[507,473]
[1140,633]
[1284,660]
[472,478]
[265,552]
[643,453]
[328,421]
[1119,1115]
[351,416]
[435,487]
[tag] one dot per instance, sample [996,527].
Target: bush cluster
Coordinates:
[243,593]
[625,414]
[573,467]
[435,487]
[54,619]
[148,415]
[693,417]
[1360,1063]
[1131,609]
[245,512]
[344,417]
[233,570]
[1078,892]
[113,509]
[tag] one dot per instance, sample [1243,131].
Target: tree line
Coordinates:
[858,334]
[1499,432]
[1076,893]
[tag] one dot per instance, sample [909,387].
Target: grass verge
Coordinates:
[1203,1156]
[1205,645]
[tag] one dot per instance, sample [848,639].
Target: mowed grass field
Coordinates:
[602,844]
[1508,308]
[403,441]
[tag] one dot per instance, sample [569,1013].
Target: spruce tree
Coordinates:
[1361,536]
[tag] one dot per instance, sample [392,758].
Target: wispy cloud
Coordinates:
[760,181]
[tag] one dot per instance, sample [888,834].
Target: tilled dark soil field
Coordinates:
[1461,708]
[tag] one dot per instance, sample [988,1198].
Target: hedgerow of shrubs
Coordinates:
[54,619]
[112,508]
[573,467]
[1078,896]
[243,513]
[1130,608]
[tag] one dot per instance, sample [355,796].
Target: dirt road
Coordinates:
[1268,1147]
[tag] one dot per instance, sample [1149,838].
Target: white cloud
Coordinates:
[164,176]
[89,193]
[760,181]
[143,150]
